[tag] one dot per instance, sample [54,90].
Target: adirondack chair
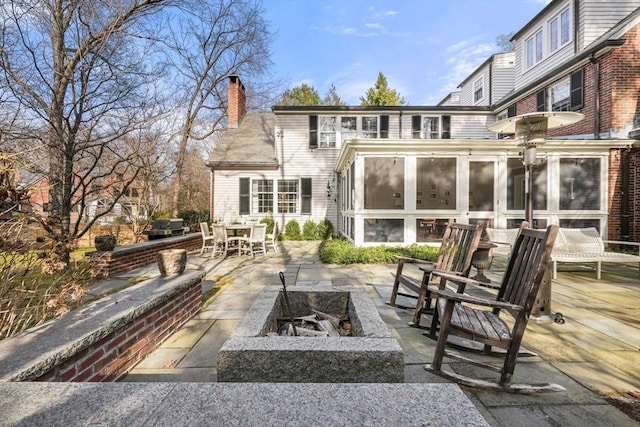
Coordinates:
[459,242]
[459,316]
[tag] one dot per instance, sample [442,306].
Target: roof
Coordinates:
[251,144]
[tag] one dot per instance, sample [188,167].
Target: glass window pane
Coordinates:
[370,127]
[327,132]
[262,195]
[436,183]
[287,196]
[579,184]
[348,128]
[430,127]
[383,230]
[481,186]
[516,184]
[384,183]
[565,23]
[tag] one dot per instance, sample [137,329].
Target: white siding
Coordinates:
[467,89]
[596,17]
[471,126]
[503,76]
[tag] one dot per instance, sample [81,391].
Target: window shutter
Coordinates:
[577,84]
[305,195]
[511,111]
[313,132]
[384,126]
[415,126]
[245,194]
[541,100]
[446,127]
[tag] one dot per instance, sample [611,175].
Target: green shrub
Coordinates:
[325,229]
[310,231]
[340,251]
[192,219]
[269,223]
[292,230]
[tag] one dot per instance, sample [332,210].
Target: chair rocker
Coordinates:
[460,315]
[459,243]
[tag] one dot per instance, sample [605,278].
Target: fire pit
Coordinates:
[370,354]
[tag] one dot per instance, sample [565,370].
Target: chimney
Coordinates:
[237,102]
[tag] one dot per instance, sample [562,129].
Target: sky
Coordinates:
[425,48]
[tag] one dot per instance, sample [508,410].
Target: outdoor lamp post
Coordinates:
[530,131]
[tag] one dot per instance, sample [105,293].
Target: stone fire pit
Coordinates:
[370,355]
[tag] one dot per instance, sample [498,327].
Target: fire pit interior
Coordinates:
[256,352]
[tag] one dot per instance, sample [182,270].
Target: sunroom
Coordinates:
[399,192]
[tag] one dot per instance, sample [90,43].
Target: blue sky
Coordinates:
[425,48]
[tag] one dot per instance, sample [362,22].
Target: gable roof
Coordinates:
[249,146]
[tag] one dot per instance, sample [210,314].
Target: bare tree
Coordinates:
[80,72]
[212,39]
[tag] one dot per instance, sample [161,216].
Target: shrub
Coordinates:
[325,229]
[192,219]
[310,231]
[269,223]
[340,251]
[292,230]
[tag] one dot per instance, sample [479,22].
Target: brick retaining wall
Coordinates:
[126,258]
[104,340]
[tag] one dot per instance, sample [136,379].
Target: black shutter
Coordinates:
[577,84]
[245,195]
[541,100]
[313,132]
[305,195]
[415,126]
[511,111]
[384,126]
[446,127]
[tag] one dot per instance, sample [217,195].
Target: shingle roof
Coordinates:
[251,143]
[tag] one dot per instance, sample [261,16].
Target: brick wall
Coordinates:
[110,358]
[129,257]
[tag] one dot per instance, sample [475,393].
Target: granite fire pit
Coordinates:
[371,355]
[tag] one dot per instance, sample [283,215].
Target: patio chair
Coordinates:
[257,240]
[461,314]
[221,240]
[243,241]
[459,243]
[208,241]
[272,238]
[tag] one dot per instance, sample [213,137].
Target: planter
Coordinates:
[105,243]
[172,262]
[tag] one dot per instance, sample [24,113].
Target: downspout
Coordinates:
[400,125]
[491,81]
[596,97]
[211,198]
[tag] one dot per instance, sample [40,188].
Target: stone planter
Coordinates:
[172,262]
[105,243]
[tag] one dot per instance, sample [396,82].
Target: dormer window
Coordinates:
[478,90]
[534,49]
[559,30]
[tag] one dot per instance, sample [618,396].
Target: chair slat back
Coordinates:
[204,229]
[459,243]
[259,232]
[220,232]
[527,265]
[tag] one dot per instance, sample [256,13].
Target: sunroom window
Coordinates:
[348,128]
[580,184]
[436,183]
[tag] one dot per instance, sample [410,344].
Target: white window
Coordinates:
[287,195]
[533,49]
[370,127]
[327,132]
[262,195]
[478,90]
[348,128]
[560,96]
[559,30]
[430,127]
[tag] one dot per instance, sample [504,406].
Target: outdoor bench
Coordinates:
[573,246]
[584,245]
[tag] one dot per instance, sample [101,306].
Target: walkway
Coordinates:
[595,353]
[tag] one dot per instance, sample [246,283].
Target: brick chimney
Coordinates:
[237,101]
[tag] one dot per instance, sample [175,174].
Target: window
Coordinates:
[533,49]
[287,196]
[516,184]
[262,195]
[370,127]
[313,132]
[383,230]
[327,132]
[348,129]
[580,184]
[305,196]
[481,185]
[436,183]
[384,182]
[565,27]
[559,30]
[425,127]
[478,90]
[560,100]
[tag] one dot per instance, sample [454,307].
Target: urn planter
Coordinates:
[105,243]
[172,262]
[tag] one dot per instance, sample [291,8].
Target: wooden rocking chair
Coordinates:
[459,316]
[459,243]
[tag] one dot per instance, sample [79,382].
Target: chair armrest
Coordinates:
[619,242]
[453,296]
[401,258]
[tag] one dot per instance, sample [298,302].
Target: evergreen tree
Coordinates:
[381,94]
[332,98]
[300,95]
